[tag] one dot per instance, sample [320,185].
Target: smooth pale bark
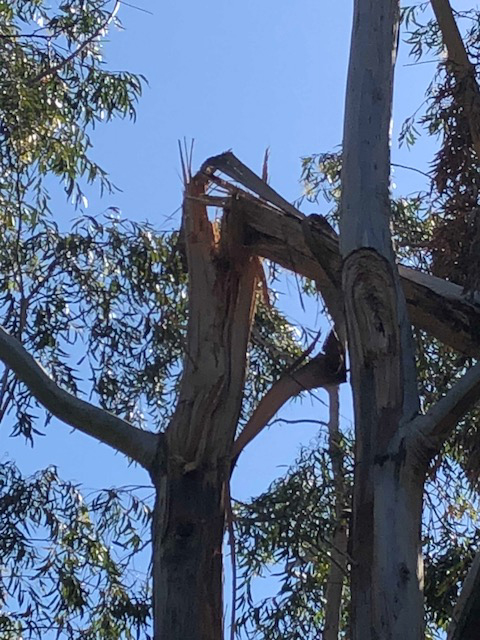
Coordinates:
[386,582]
[338,553]
[93,421]
[394,445]
[428,432]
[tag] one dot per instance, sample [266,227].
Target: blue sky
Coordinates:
[240,75]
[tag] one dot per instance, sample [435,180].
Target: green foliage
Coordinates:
[412,216]
[450,539]
[54,88]
[114,289]
[116,293]
[66,561]
[286,532]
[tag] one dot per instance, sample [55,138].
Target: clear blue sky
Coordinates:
[240,75]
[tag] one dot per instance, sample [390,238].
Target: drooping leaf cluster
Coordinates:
[67,562]
[54,88]
[111,291]
[455,240]
[450,539]
[286,534]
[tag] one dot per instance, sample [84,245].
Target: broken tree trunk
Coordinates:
[307,245]
[194,463]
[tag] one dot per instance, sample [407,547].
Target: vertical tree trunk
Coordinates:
[385,536]
[194,462]
[187,556]
[338,562]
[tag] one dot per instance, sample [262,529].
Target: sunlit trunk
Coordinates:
[385,536]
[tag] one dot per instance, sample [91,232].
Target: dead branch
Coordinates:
[309,247]
[231,166]
[434,305]
[323,370]
[461,67]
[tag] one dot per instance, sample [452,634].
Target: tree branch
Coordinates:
[435,426]
[52,70]
[466,614]
[461,67]
[319,372]
[98,423]
[234,168]
[438,307]
[284,235]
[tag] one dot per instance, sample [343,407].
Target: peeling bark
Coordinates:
[189,511]
[386,581]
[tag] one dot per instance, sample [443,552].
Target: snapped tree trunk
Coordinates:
[387,506]
[194,461]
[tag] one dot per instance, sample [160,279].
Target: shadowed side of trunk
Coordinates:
[187,565]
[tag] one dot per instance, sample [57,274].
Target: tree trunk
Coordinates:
[387,575]
[187,556]
[194,460]
[338,562]
[385,538]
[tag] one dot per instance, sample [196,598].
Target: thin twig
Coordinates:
[53,70]
[233,556]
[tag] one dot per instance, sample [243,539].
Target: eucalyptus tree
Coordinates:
[167,322]
[409,461]
[117,291]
